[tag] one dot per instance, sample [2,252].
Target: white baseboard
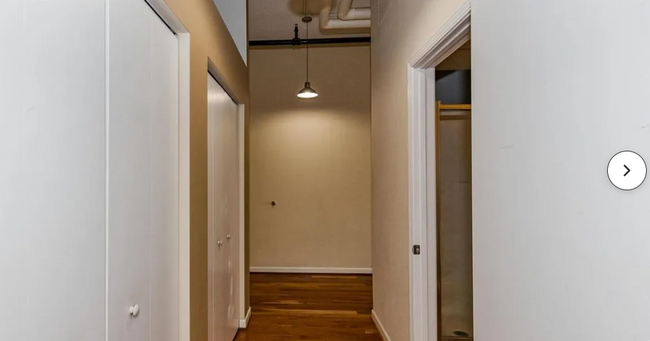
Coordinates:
[306,270]
[243,323]
[377,322]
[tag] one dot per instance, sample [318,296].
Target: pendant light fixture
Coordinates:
[307,92]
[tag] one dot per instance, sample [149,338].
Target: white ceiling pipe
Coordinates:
[330,24]
[346,12]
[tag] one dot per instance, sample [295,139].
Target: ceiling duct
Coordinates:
[346,12]
[348,17]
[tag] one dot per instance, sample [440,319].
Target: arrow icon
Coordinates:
[628,170]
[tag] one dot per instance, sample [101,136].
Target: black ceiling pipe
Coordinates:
[321,41]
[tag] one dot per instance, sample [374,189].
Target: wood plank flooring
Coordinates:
[310,307]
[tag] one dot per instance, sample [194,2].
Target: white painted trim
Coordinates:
[430,320]
[166,13]
[221,79]
[418,265]
[444,42]
[184,187]
[309,270]
[422,184]
[242,213]
[382,330]
[243,323]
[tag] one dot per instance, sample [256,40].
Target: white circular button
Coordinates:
[626,170]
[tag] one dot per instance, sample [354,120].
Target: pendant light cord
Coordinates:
[307,52]
[306,14]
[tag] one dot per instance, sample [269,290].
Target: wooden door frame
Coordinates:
[423,268]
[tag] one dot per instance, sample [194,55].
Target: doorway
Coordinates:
[426,270]
[454,195]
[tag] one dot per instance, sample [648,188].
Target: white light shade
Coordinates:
[307,92]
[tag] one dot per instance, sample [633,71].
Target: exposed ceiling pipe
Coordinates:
[346,12]
[331,24]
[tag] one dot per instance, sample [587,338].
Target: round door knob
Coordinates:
[134,311]
[228,236]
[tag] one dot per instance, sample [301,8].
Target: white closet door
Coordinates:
[129,161]
[164,183]
[216,208]
[232,226]
[52,179]
[223,216]
[143,178]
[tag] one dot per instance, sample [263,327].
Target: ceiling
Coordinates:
[275,19]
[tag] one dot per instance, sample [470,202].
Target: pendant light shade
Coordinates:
[307,92]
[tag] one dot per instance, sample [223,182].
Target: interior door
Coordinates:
[223,215]
[142,175]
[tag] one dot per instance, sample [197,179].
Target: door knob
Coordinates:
[228,236]
[134,310]
[220,243]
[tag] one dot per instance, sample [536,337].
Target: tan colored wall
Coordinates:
[459,60]
[312,157]
[397,35]
[209,40]
[456,226]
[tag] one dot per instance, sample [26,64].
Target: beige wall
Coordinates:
[455,226]
[399,30]
[310,156]
[455,195]
[459,60]
[210,41]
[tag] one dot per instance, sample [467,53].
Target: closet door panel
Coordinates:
[231,252]
[216,210]
[164,183]
[129,215]
[52,170]
[223,217]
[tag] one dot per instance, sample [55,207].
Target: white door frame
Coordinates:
[183,35]
[244,316]
[422,178]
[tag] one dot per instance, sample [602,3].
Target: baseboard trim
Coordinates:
[307,270]
[382,330]
[243,323]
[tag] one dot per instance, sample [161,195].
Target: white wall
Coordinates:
[558,88]
[235,16]
[52,175]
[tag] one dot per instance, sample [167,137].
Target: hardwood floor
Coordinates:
[310,307]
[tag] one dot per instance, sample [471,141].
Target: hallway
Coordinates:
[310,307]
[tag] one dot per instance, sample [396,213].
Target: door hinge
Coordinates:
[416,249]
